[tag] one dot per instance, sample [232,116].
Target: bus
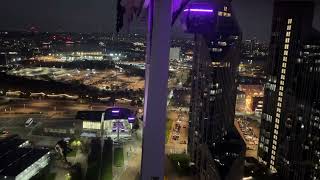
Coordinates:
[29,122]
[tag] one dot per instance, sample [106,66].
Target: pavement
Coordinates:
[132,154]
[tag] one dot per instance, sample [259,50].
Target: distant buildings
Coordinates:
[290,128]
[215,147]
[253,48]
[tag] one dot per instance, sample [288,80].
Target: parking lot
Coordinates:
[178,138]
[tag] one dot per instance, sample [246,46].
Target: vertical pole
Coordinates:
[156,90]
[102,144]
[118,133]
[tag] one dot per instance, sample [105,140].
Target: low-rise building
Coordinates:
[19,161]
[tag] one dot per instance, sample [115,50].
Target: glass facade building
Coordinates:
[215,146]
[289,133]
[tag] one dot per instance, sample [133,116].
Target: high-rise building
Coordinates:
[290,124]
[215,147]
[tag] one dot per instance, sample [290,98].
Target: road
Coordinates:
[245,131]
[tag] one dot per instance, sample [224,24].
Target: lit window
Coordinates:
[287,40]
[280,93]
[279,110]
[283,76]
[281,83]
[285,52]
[275,132]
[274,147]
[286,46]
[261,145]
[278,115]
[225,8]
[283,71]
[288,27]
[285,58]
[284,65]
[276,126]
[273,152]
[220,13]
[217,49]
[277,120]
[222,43]
[228,15]
[279,104]
[280,98]
[275,137]
[288,34]
[290,21]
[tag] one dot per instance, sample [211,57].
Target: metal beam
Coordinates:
[156,90]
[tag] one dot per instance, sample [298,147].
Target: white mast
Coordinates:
[156,90]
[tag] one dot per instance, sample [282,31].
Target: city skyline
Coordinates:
[215,97]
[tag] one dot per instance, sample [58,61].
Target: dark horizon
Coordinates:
[100,16]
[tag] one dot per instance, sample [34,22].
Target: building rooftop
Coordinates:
[110,114]
[89,115]
[9,143]
[16,161]
[13,159]
[118,113]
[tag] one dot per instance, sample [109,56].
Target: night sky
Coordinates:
[254,16]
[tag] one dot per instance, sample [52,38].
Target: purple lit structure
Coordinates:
[115,111]
[157,73]
[131,119]
[198,18]
[119,113]
[199,10]
[156,89]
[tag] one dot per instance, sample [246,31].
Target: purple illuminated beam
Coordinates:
[199,10]
[115,111]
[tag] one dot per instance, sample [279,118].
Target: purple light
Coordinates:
[131,119]
[115,111]
[199,10]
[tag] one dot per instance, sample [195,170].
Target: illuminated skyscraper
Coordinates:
[289,135]
[214,145]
